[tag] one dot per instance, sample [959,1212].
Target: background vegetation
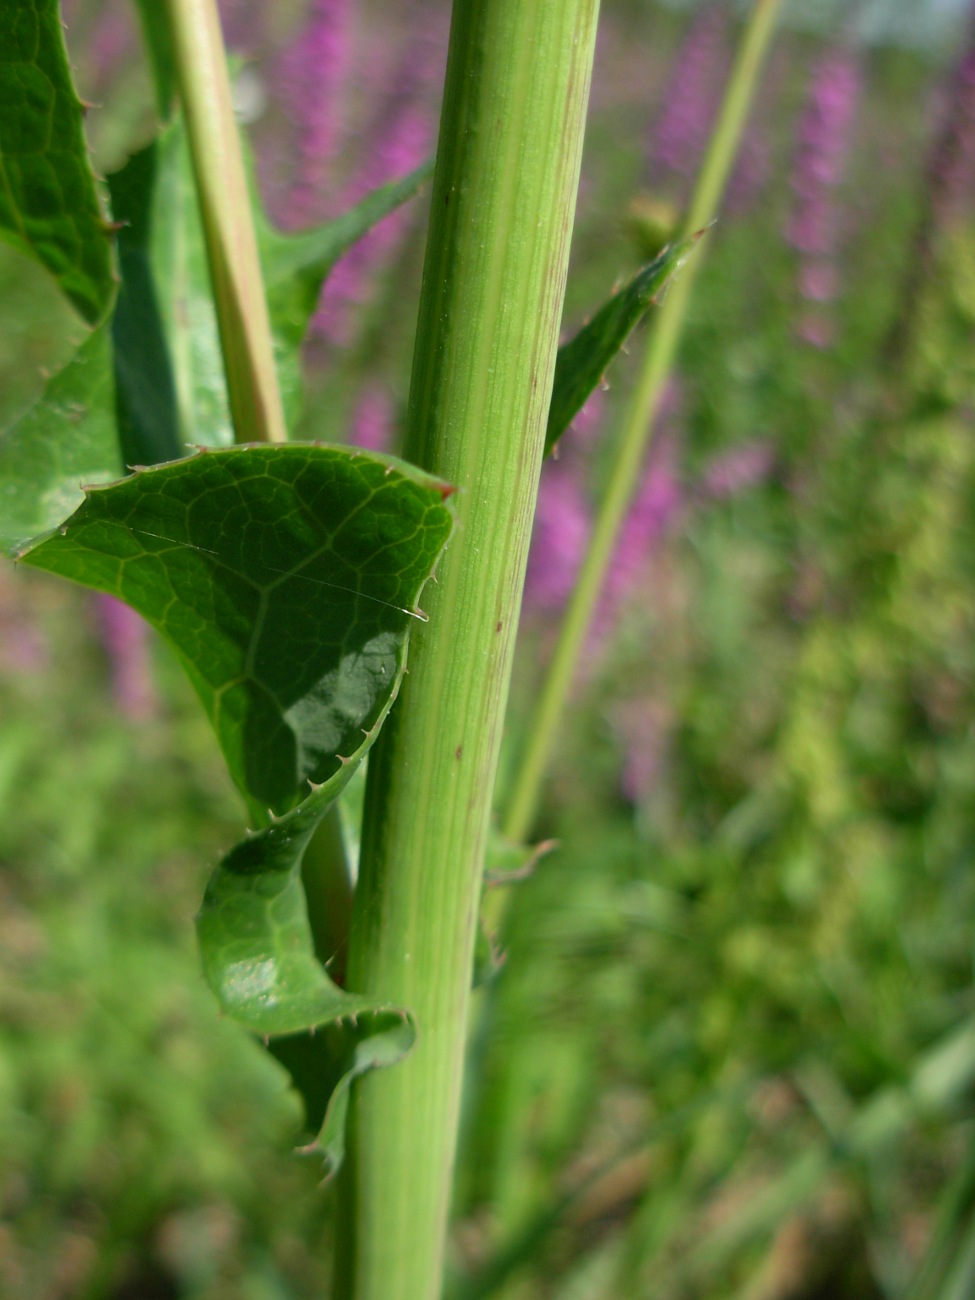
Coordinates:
[731,1050]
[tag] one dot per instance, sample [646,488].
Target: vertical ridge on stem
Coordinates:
[503,204]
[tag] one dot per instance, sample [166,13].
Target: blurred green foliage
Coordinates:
[729,1053]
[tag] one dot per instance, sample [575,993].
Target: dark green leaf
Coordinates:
[323,1065]
[295,267]
[66,439]
[582,361]
[179,266]
[259,958]
[148,421]
[167,347]
[256,942]
[48,202]
[285,577]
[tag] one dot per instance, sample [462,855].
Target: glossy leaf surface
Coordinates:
[48,202]
[285,578]
[582,361]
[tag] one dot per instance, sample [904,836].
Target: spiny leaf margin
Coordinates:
[255,939]
[49,206]
[582,362]
[284,577]
[258,957]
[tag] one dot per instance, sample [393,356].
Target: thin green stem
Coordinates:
[503,203]
[235,272]
[662,343]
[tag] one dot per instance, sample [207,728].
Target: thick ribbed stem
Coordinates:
[503,203]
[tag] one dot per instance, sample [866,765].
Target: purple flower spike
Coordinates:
[314,73]
[824,134]
[691,97]
[372,424]
[124,636]
[403,139]
[559,539]
[351,283]
[823,144]
[658,504]
[818,332]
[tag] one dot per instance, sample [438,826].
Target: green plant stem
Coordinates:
[235,273]
[503,202]
[664,337]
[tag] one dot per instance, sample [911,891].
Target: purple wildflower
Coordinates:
[559,539]
[314,75]
[404,138]
[124,636]
[820,164]
[658,504]
[823,140]
[351,283]
[372,423]
[691,97]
